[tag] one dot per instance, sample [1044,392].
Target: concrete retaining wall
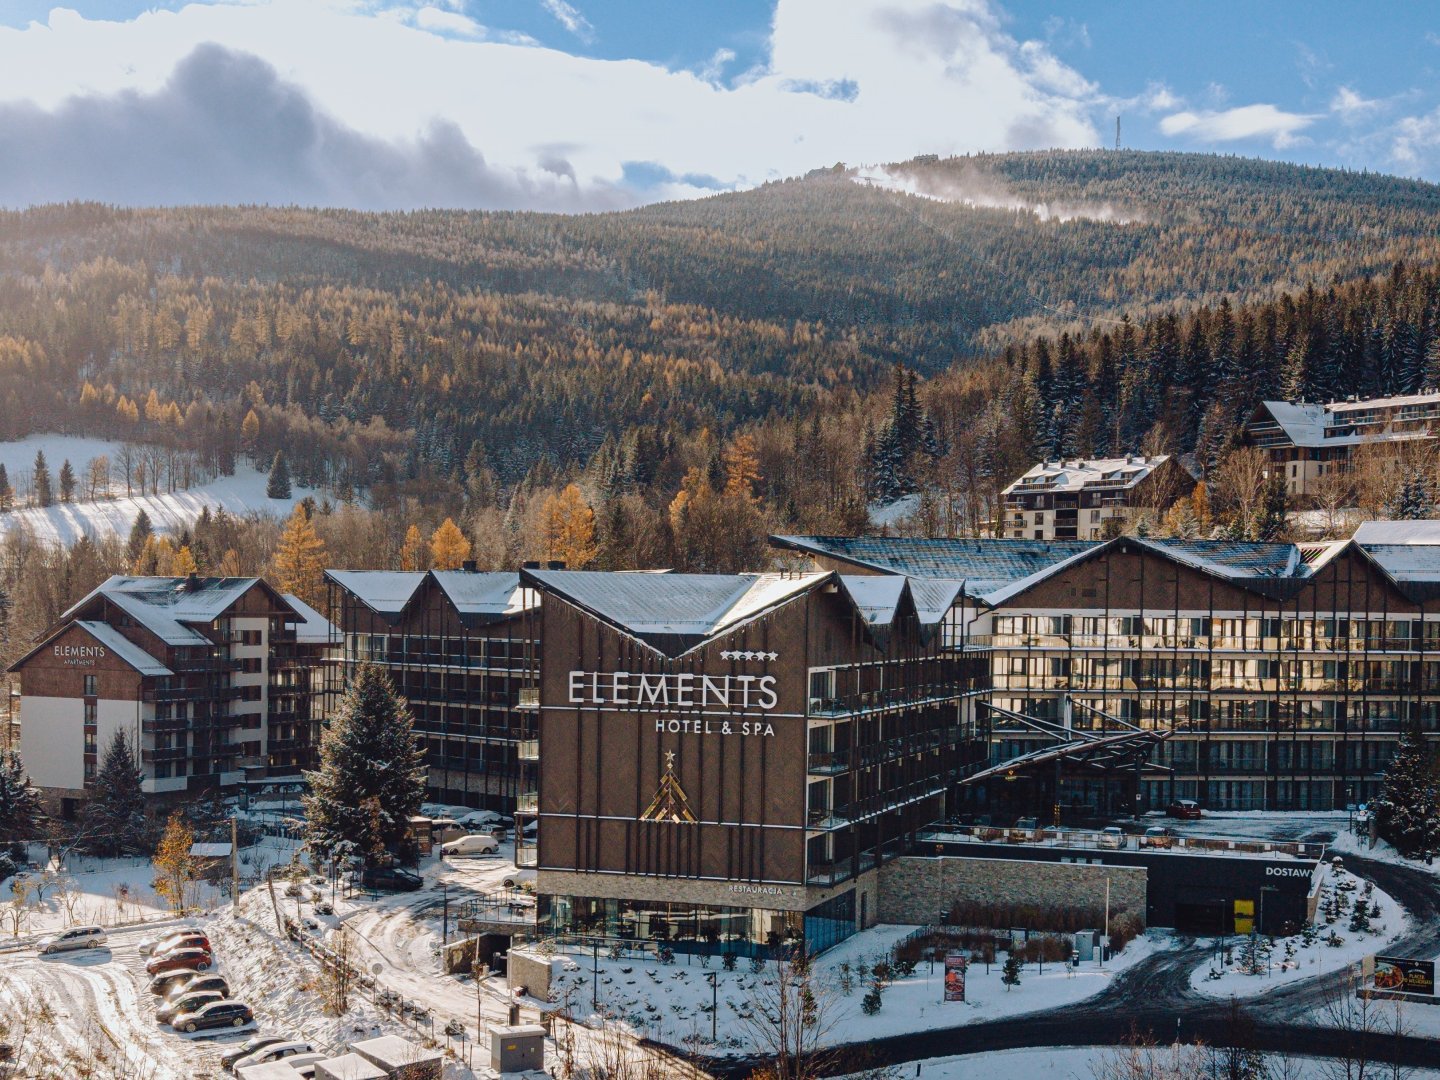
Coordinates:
[915,889]
[530,971]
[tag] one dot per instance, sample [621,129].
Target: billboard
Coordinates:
[1402,973]
[955,976]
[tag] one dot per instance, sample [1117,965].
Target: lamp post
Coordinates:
[714,1002]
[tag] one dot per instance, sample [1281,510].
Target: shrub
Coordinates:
[870,1005]
[1011,975]
[728,961]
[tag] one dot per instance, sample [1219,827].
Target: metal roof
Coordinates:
[386,592]
[124,648]
[476,593]
[673,613]
[313,628]
[165,605]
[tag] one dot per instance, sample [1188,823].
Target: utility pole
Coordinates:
[714,1002]
[445,924]
[234,867]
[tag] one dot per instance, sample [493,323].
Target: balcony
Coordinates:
[527,856]
[880,700]
[528,750]
[529,803]
[828,763]
[529,698]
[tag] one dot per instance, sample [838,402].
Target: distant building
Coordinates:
[462,647]
[1308,441]
[208,677]
[1073,499]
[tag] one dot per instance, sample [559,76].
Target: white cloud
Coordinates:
[570,18]
[1415,140]
[844,82]
[1351,106]
[1282,129]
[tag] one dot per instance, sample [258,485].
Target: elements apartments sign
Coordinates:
[79,655]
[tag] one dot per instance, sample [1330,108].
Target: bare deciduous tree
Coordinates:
[790,1015]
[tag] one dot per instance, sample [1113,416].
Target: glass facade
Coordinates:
[712,929]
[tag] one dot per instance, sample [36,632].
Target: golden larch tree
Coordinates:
[175,867]
[413,550]
[300,559]
[742,467]
[448,546]
[569,528]
[183,563]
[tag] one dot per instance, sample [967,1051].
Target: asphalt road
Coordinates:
[1155,996]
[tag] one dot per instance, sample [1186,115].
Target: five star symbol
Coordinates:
[748,654]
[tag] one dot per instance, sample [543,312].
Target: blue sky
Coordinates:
[595,104]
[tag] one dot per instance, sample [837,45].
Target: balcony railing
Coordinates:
[527,856]
[528,750]
[528,698]
[878,700]
[828,763]
[529,803]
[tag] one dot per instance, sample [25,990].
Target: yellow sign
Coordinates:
[1244,916]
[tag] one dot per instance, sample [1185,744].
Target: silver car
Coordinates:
[77,937]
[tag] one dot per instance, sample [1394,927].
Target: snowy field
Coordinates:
[671,1002]
[1305,956]
[64,523]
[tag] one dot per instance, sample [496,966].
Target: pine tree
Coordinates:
[278,486]
[140,533]
[7,493]
[1413,499]
[300,559]
[44,496]
[175,866]
[67,482]
[1270,522]
[413,551]
[448,547]
[115,819]
[1406,813]
[1010,976]
[20,812]
[371,776]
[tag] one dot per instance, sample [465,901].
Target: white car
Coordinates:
[520,879]
[479,819]
[77,937]
[479,844]
[1111,836]
[274,1052]
[302,1065]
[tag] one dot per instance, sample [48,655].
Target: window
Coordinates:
[91,689]
[90,713]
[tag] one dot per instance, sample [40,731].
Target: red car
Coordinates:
[182,960]
[174,945]
[1188,809]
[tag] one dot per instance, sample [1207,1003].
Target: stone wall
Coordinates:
[530,970]
[914,889]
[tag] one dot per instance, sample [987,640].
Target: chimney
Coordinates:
[555,564]
[469,566]
[192,583]
[531,565]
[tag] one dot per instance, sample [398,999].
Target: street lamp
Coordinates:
[714,1002]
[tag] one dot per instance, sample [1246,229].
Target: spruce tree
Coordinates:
[7,493]
[278,486]
[114,821]
[371,776]
[20,811]
[44,496]
[1010,975]
[140,532]
[1413,500]
[67,482]
[1406,813]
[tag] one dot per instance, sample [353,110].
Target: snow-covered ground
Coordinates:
[1292,959]
[64,523]
[671,1002]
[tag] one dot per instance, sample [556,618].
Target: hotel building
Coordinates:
[1085,499]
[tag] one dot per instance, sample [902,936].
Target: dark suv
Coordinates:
[216,1014]
[391,879]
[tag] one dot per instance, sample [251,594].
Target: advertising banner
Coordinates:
[1402,973]
[955,976]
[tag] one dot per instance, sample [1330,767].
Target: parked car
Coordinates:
[1188,809]
[1027,823]
[480,844]
[479,819]
[304,1064]
[150,945]
[248,1047]
[1157,836]
[177,979]
[184,960]
[186,1002]
[192,941]
[390,878]
[274,1052]
[191,982]
[77,937]
[1112,836]
[216,1014]
[520,879]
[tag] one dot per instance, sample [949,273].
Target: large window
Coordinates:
[694,928]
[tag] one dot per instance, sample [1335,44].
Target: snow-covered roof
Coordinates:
[211,851]
[934,597]
[673,613]
[313,628]
[1303,424]
[124,648]
[166,606]
[1306,423]
[1396,401]
[876,596]
[386,592]
[1398,532]
[474,593]
[1072,475]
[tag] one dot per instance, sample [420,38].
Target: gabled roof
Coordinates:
[385,592]
[313,628]
[486,597]
[1074,474]
[673,613]
[1303,424]
[981,565]
[169,606]
[1398,532]
[120,646]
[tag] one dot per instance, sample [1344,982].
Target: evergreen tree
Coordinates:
[7,493]
[67,482]
[1406,813]
[278,486]
[44,496]
[140,533]
[1413,500]
[1269,522]
[20,812]
[300,559]
[1010,975]
[114,821]
[371,776]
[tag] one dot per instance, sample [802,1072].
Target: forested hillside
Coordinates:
[702,372]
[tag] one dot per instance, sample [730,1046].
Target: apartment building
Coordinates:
[727,760]
[463,648]
[206,676]
[1307,441]
[1279,675]
[1085,499]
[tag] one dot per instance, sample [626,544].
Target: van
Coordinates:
[478,844]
